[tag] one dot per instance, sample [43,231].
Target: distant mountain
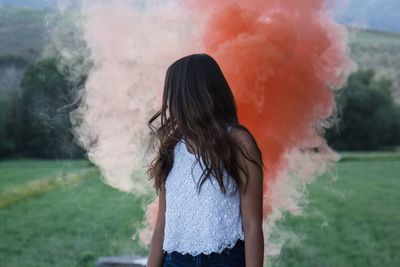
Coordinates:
[381,15]
[23,32]
[35,4]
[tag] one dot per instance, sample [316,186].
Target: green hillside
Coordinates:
[379,51]
[23,33]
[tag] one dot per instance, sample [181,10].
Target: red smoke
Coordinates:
[280,59]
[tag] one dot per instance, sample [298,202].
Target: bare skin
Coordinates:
[251,203]
[251,211]
[155,257]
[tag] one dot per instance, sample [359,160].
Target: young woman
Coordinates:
[208,174]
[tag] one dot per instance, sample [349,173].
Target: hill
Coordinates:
[33,4]
[23,33]
[381,15]
[379,51]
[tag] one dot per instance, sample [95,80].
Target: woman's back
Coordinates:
[198,219]
[203,222]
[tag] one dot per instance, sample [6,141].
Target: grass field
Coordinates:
[353,221]
[70,225]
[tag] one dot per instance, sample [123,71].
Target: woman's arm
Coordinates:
[251,202]
[155,257]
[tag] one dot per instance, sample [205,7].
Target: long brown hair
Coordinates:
[198,104]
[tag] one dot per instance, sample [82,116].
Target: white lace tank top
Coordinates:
[204,222]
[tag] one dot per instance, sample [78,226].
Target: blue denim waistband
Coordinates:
[238,246]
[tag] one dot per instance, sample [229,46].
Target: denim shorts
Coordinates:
[229,257]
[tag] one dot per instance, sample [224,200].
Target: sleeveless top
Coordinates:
[204,222]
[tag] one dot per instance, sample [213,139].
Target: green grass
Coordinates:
[70,226]
[17,172]
[352,221]
[371,156]
[22,180]
[377,37]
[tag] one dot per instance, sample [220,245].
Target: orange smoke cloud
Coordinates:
[282,59]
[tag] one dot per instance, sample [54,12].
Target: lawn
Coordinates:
[70,225]
[353,221]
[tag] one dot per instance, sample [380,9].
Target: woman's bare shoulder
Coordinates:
[240,135]
[246,142]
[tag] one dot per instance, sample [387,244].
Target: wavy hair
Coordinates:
[198,105]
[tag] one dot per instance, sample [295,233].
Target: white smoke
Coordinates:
[126,47]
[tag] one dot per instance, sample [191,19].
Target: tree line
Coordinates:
[35,122]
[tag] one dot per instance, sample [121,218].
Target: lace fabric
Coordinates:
[204,222]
